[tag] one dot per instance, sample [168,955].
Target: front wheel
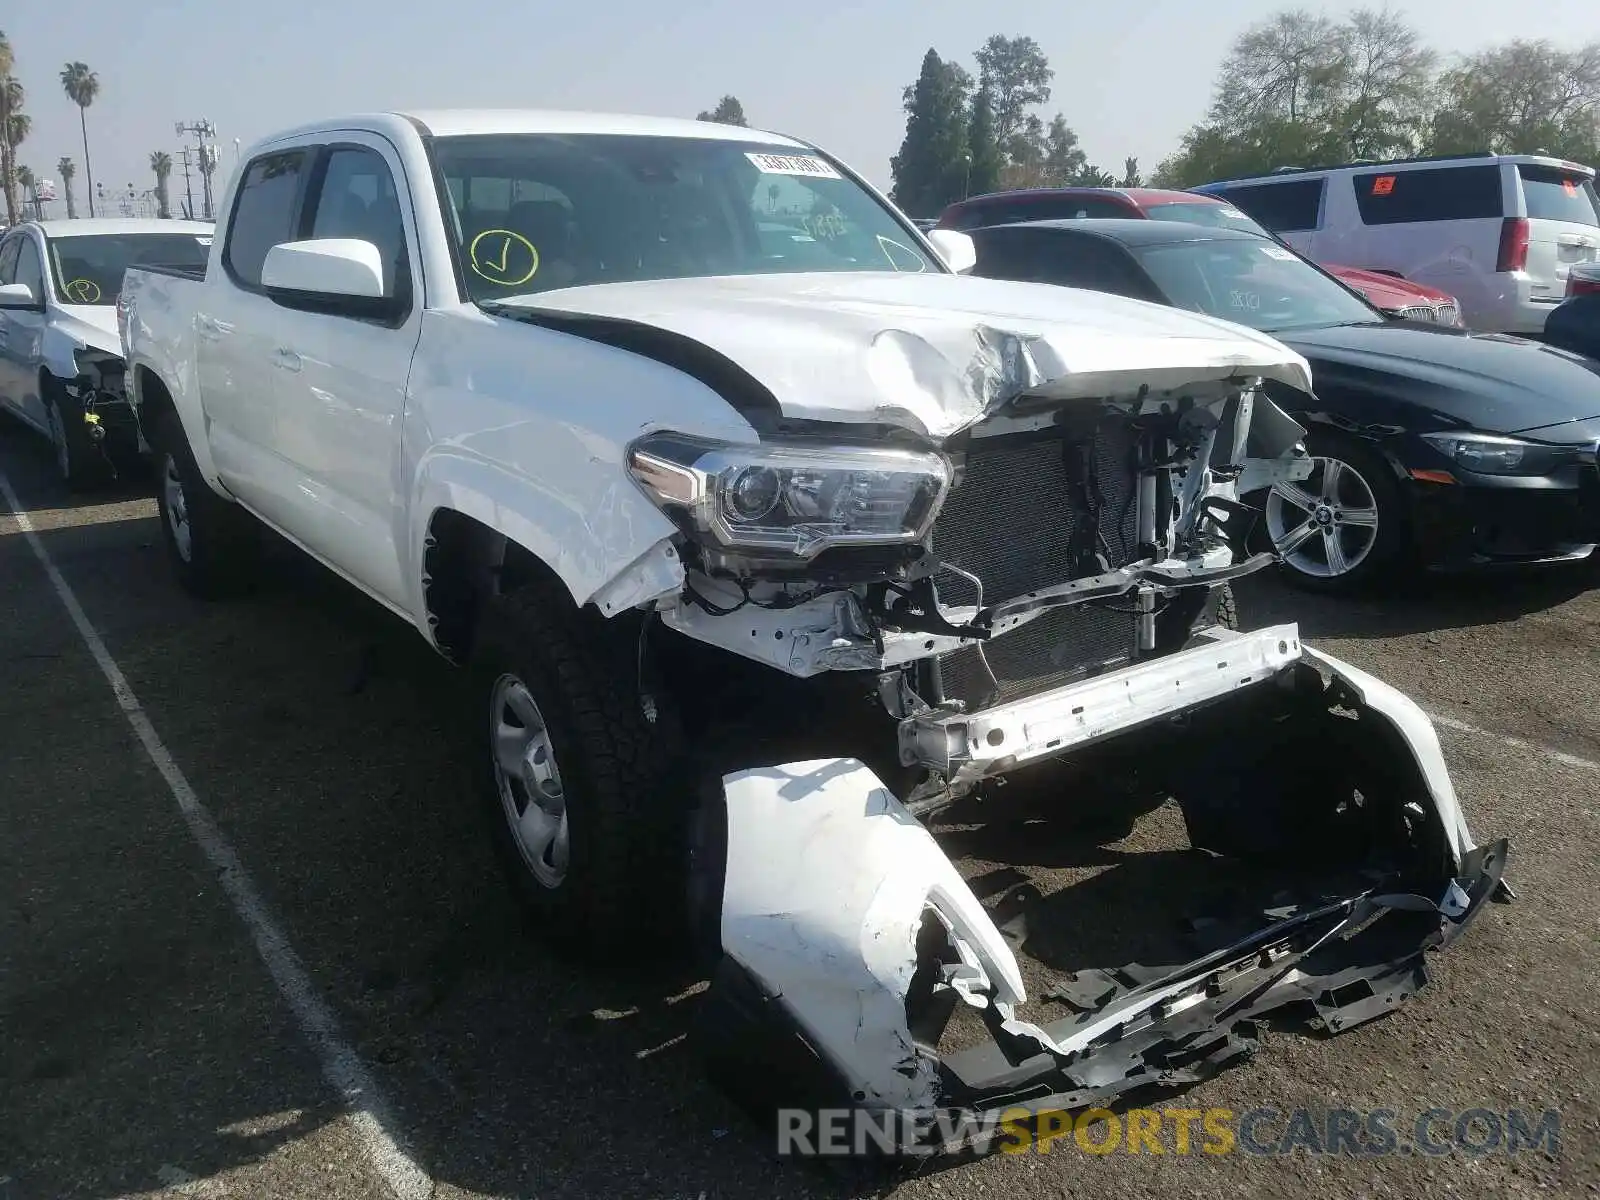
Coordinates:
[578,773]
[79,461]
[1344,526]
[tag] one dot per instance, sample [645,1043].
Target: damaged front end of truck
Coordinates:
[1041,580]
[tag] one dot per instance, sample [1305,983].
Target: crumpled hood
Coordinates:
[933,352]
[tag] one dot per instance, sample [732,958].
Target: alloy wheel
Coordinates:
[1326,525]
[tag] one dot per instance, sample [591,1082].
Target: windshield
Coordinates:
[1217,216]
[88,268]
[1254,283]
[533,212]
[1556,195]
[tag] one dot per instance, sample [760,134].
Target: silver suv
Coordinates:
[1499,232]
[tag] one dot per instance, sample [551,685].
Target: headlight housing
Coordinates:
[793,499]
[1494,454]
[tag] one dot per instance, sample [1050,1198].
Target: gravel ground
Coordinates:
[147,1050]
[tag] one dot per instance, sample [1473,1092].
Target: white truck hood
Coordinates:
[935,352]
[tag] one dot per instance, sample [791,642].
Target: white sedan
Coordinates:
[60,354]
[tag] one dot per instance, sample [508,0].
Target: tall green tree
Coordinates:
[161,168]
[82,86]
[930,171]
[68,170]
[1017,76]
[1130,173]
[986,158]
[1064,160]
[1519,98]
[1300,89]
[727,112]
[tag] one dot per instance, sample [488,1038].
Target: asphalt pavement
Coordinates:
[313,971]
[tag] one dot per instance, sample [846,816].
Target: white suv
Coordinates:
[1500,232]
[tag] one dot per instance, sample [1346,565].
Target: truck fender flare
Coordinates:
[619,552]
[138,373]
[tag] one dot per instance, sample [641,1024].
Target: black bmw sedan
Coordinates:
[1433,445]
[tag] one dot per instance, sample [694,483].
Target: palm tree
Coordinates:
[161,164]
[30,188]
[13,132]
[82,86]
[67,170]
[7,178]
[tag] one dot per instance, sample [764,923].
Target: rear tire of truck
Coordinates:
[212,542]
[79,461]
[581,780]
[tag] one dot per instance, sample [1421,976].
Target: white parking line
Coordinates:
[343,1070]
[1560,756]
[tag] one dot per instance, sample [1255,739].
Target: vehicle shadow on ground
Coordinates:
[1417,605]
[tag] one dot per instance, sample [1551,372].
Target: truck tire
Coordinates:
[211,542]
[80,463]
[581,783]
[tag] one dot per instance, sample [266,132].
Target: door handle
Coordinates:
[287,359]
[211,329]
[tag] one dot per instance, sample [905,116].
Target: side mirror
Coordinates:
[19,296]
[331,268]
[959,252]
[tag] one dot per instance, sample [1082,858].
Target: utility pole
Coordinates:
[188,188]
[206,159]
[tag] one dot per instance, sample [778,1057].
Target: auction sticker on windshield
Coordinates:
[1278,252]
[793,164]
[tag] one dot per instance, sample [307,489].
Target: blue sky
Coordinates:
[1129,77]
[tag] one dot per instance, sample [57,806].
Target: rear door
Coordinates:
[10,374]
[1436,225]
[236,333]
[1563,225]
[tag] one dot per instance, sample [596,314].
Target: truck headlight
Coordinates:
[792,498]
[1492,454]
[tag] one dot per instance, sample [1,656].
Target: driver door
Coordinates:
[22,332]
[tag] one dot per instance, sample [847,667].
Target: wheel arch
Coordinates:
[477,530]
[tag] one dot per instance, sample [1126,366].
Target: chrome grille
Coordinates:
[1418,312]
[1011,522]
[1446,314]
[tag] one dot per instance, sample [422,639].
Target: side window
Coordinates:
[263,213]
[8,258]
[1287,207]
[358,200]
[29,269]
[1091,263]
[1435,194]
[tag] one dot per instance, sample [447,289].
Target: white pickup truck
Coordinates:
[761,533]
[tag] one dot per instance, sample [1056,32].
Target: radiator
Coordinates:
[1011,523]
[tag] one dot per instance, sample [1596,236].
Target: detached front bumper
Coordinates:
[848,939]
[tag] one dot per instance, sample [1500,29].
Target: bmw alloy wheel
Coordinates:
[1326,525]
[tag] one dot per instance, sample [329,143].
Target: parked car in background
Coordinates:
[61,366]
[668,492]
[1498,232]
[1575,323]
[1452,447]
[1397,297]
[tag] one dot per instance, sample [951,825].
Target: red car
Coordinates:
[1391,294]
